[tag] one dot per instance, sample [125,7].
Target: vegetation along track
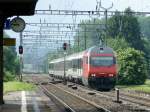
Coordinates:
[73,103]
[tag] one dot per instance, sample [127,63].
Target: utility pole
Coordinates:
[46,63]
[106,18]
[65,48]
[21,57]
[78,39]
[2,20]
[65,68]
[85,38]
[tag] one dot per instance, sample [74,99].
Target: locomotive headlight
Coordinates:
[93,75]
[111,75]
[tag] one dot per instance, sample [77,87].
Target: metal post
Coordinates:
[21,68]
[78,49]
[21,55]
[47,63]
[78,38]
[106,26]
[2,19]
[85,37]
[69,44]
[117,95]
[65,82]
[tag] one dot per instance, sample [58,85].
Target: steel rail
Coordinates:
[98,107]
[49,94]
[130,98]
[89,102]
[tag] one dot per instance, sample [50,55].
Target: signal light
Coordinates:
[101,48]
[20,49]
[65,46]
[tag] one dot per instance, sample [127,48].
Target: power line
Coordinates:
[81,12]
[64,25]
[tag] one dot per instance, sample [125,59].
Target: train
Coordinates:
[95,67]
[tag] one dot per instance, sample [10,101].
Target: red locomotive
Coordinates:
[94,67]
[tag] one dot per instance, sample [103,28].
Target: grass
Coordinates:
[143,88]
[17,86]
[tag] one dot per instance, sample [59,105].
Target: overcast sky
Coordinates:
[136,5]
[141,5]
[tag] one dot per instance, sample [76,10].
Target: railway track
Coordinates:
[123,96]
[135,99]
[71,102]
[108,101]
[105,99]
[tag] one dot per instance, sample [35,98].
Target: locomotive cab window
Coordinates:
[101,61]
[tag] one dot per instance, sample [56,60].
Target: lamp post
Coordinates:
[65,82]
[21,56]
[65,48]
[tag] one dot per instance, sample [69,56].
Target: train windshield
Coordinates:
[102,61]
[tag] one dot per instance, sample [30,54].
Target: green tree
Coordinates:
[145,29]
[131,62]
[145,26]
[132,66]
[126,26]
[117,43]
[115,25]
[11,62]
[9,59]
[147,53]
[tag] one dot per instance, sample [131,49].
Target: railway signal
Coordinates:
[20,49]
[65,46]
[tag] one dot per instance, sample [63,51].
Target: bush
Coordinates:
[11,63]
[8,76]
[117,43]
[132,67]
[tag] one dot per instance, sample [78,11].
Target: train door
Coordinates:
[85,71]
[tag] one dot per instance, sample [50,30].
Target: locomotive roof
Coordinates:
[99,50]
